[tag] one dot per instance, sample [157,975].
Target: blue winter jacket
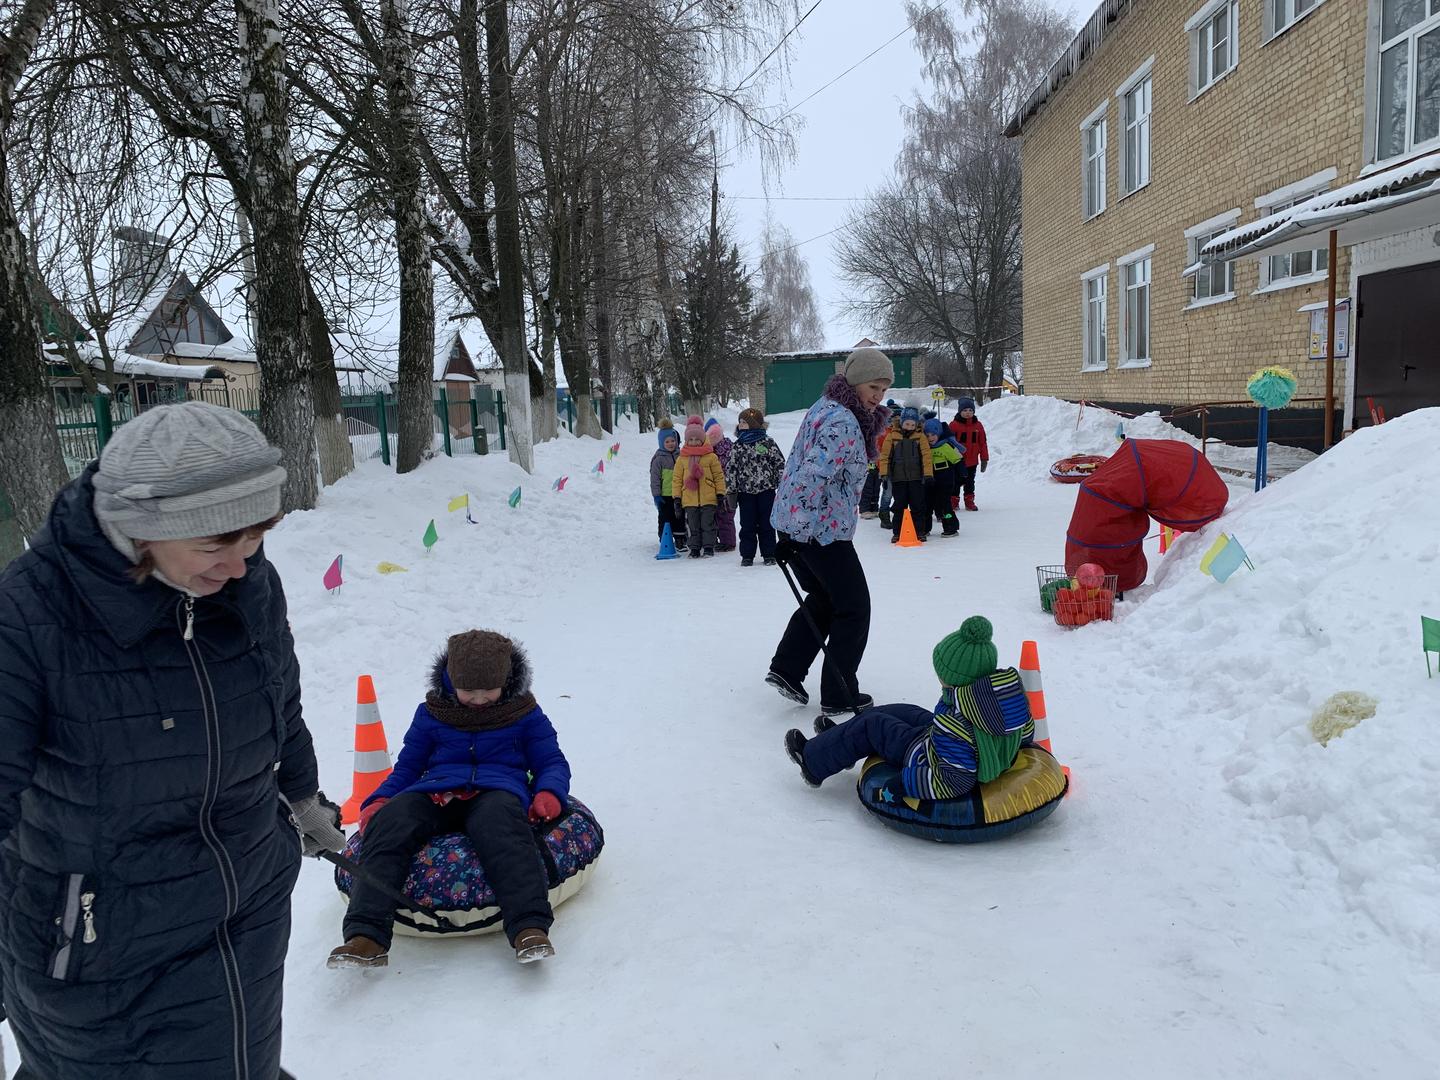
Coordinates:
[147,858]
[437,757]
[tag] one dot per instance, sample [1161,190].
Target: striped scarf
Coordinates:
[977,731]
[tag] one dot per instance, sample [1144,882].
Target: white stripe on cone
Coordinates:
[370,761]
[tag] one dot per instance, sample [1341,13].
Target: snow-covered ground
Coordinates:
[1220,896]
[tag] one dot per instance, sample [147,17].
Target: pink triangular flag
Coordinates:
[332,579]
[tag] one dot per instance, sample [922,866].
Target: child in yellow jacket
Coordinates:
[699,482]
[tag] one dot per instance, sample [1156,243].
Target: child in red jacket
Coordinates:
[970,434]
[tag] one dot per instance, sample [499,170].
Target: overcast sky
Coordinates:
[848,144]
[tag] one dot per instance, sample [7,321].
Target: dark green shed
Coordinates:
[795,380]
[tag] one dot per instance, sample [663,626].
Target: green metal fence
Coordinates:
[620,405]
[460,427]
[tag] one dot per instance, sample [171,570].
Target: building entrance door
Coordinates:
[1397,343]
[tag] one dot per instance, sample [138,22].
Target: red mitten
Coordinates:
[544,807]
[369,812]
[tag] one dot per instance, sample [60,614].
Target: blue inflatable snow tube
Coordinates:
[1027,792]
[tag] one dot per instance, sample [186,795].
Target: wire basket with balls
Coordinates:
[1077,599]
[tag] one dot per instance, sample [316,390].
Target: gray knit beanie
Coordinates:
[182,471]
[868,365]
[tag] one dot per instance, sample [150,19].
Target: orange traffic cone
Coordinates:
[1035,696]
[907,532]
[372,755]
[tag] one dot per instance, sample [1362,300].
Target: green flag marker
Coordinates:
[514,498]
[1429,639]
[430,536]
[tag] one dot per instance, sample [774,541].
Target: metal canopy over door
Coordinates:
[1397,355]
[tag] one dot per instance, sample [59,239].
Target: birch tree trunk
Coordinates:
[287,414]
[604,338]
[332,440]
[417,282]
[547,421]
[509,270]
[32,467]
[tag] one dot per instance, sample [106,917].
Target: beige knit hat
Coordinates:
[868,365]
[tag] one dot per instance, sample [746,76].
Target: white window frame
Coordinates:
[1144,134]
[1142,255]
[1088,362]
[1289,17]
[1409,40]
[1096,119]
[1196,237]
[1200,27]
[1280,199]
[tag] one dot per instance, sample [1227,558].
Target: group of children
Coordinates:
[700,485]
[925,467]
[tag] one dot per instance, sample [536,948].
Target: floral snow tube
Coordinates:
[1075,468]
[1025,793]
[446,875]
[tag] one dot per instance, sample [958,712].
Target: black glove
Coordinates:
[680,506]
[785,550]
[983,464]
[731,501]
[659,501]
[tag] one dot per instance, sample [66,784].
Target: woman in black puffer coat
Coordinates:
[154,764]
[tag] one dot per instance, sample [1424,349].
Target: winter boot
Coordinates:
[694,553]
[795,746]
[359,952]
[823,724]
[885,519]
[970,503]
[747,562]
[708,552]
[769,560]
[862,701]
[533,944]
[786,688]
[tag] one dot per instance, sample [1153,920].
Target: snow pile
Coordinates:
[1345,555]
[1029,432]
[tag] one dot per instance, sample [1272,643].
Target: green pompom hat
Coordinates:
[967,654]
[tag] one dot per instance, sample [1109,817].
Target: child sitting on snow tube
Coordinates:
[464,769]
[977,731]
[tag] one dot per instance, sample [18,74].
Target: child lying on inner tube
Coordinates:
[979,725]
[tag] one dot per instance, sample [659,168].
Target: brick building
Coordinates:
[1168,122]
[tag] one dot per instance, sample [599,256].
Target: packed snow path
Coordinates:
[1218,897]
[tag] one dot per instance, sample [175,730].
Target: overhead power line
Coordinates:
[802,243]
[886,44]
[783,38]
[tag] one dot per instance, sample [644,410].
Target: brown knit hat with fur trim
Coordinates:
[479,660]
[754,417]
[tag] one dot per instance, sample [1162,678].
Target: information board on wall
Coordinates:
[1317,330]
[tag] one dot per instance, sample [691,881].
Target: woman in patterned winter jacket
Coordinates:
[751,477]
[815,514]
